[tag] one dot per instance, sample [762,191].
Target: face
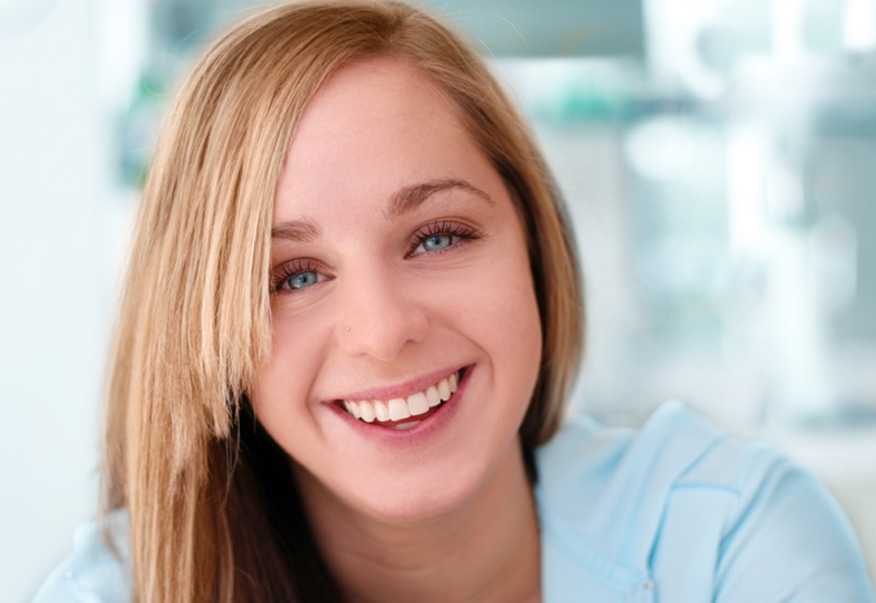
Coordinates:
[406,337]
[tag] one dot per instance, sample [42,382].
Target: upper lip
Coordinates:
[400,390]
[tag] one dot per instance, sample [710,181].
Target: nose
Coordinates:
[380,313]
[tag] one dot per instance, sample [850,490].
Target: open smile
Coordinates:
[395,411]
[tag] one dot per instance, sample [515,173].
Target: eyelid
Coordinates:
[444,227]
[461,230]
[281,273]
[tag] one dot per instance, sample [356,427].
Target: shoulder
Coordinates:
[95,571]
[680,507]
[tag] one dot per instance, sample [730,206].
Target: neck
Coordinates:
[487,550]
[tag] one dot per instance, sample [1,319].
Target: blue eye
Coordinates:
[441,236]
[302,280]
[437,242]
[296,275]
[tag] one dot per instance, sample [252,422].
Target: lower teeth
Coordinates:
[405,426]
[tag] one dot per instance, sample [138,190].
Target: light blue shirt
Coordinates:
[676,512]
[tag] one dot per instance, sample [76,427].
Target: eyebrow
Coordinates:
[296,230]
[405,200]
[409,198]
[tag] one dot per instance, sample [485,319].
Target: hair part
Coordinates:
[181,452]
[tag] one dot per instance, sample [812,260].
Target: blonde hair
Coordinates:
[195,313]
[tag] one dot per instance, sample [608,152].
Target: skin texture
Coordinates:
[413,264]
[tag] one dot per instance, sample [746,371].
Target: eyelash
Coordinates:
[458,231]
[288,270]
[462,232]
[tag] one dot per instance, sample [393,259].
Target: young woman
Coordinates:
[351,320]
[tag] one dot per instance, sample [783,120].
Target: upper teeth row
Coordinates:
[397,409]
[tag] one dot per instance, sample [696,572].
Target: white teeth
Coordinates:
[444,389]
[353,409]
[432,396]
[406,426]
[418,404]
[398,409]
[367,413]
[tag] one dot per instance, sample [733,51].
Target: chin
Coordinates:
[425,504]
[408,499]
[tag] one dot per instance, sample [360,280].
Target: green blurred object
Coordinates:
[559,28]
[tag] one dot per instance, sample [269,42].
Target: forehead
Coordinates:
[375,127]
[373,87]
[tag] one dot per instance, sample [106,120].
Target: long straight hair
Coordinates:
[214,513]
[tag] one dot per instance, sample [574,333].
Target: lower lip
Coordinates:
[429,426]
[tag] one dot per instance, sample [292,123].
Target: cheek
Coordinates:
[282,383]
[520,332]
[298,344]
[503,317]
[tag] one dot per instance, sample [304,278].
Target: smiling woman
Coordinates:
[351,321]
[420,253]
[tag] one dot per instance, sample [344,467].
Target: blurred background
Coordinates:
[718,158]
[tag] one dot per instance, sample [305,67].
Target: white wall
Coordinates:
[56,281]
